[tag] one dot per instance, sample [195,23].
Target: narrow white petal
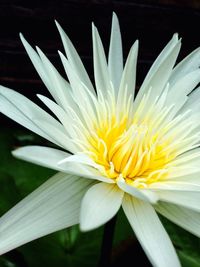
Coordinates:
[143,194]
[186,218]
[129,74]
[37,63]
[178,93]
[41,155]
[82,96]
[160,71]
[150,232]
[102,80]
[177,184]
[74,59]
[22,110]
[187,65]
[51,158]
[192,102]
[53,206]
[57,86]
[185,198]
[57,110]
[61,90]
[59,136]
[115,56]
[99,205]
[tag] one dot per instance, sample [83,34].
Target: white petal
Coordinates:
[143,194]
[99,205]
[59,136]
[180,90]
[51,157]
[82,96]
[61,90]
[102,80]
[176,185]
[57,86]
[150,232]
[44,156]
[185,198]
[57,111]
[192,102]
[115,56]
[74,59]
[129,74]
[22,110]
[186,218]
[160,71]
[37,63]
[188,64]
[53,206]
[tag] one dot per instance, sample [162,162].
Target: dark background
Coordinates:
[151,21]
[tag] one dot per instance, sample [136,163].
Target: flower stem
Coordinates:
[106,246]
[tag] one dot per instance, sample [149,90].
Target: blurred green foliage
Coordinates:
[70,247]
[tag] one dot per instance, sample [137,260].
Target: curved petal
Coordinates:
[99,205]
[186,218]
[178,93]
[185,198]
[150,232]
[177,185]
[23,111]
[188,64]
[129,74]
[51,158]
[59,136]
[160,71]
[115,56]
[57,86]
[102,80]
[145,195]
[53,206]
[74,59]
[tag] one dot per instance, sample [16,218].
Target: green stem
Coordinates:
[106,247]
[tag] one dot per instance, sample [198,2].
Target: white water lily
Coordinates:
[141,153]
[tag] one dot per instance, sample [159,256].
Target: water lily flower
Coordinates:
[116,149]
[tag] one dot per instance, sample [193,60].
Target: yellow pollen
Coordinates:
[134,151]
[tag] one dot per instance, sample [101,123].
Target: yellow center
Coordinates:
[130,150]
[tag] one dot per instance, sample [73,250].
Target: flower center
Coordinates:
[133,151]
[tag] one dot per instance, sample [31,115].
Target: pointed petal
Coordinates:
[82,96]
[23,111]
[160,71]
[115,56]
[102,80]
[129,74]
[57,86]
[145,195]
[150,232]
[51,158]
[60,90]
[185,198]
[37,63]
[178,93]
[53,206]
[57,111]
[187,65]
[99,205]
[186,218]
[59,136]
[74,59]
[192,102]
